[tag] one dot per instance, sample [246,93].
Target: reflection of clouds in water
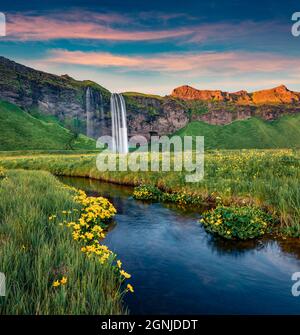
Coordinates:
[255,263]
[205,277]
[281,261]
[177,267]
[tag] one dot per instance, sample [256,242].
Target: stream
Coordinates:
[178,268]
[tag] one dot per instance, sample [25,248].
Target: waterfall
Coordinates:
[89,112]
[101,107]
[119,123]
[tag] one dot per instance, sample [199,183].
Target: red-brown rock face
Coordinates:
[277,95]
[189,93]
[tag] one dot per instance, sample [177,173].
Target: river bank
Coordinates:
[178,267]
[46,272]
[266,178]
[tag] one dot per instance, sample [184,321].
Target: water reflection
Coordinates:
[178,268]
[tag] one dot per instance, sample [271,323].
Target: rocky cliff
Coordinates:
[59,96]
[152,115]
[84,106]
[277,95]
[220,108]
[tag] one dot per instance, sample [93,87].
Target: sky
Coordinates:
[155,46]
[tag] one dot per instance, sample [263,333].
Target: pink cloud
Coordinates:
[116,27]
[190,63]
[245,29]
[82,25]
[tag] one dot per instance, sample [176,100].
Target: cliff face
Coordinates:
[277,95]
[60,96]
[220,108]
[189,93]
[148,115]
[84,106]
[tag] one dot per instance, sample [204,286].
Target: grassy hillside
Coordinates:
[142,95]
[21,131]
[251,133]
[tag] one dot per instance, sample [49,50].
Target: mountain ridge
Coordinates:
[277,95]
[65,99]
[59,96]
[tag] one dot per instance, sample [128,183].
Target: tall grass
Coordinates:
[36,251]
[268,178]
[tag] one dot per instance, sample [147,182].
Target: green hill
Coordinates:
[245,134]
[21,131]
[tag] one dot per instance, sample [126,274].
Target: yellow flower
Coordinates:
[75,235]
[218,222]
[56,283]
[119,264]
[97,229]
[89,235]
[76,226]
[228,232]
[125,274]
[130,288]
[64,280]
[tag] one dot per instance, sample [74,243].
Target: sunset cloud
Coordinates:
[196,63]
[116,27]
[83,25]
[127,47]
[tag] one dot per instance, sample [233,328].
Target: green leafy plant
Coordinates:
[234,222]
[147,192]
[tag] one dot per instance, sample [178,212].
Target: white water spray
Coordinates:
[89,112]
[119,123]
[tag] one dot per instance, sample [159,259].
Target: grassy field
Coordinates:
[21,131]
[252,133]
[36,251]
[267,178]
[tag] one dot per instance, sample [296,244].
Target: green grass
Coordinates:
[251,133]
[45,152]
[21,131]
[35,251]
[142,95]
[266,178]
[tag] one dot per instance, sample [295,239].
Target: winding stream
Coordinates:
[177,268]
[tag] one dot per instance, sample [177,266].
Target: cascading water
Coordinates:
[119,123]
[101,107]
[89,112]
